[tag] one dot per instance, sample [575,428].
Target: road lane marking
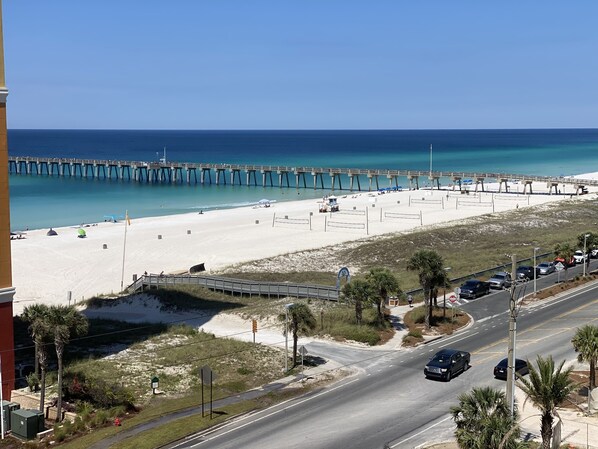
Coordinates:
[274,413]
[419,433]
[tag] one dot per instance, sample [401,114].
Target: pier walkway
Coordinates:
[271,176]
[237,286]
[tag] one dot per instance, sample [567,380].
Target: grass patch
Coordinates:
[442,324]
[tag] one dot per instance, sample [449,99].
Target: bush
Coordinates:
[244,371]
[100,393]
[59,433]
[362,334]
[416,333]
[100,418]
[33,382]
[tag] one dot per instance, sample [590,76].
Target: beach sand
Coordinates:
[46,268]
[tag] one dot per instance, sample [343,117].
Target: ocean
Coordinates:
[42,201]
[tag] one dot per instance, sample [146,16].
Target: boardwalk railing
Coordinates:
[238,286]
[197,172]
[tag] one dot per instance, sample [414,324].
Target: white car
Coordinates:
[579,256]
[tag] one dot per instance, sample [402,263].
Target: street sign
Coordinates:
[453,298]
[303,351]
[559,266]
[207,375]
[457,291]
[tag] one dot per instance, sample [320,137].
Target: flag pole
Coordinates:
[122,276]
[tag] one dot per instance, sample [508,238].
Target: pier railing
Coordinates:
[238,286]
[187,172]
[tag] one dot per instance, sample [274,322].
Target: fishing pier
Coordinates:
[358,179]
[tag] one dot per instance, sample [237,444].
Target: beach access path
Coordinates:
[46,268]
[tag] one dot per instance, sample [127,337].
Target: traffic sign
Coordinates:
[453,298]
[303,351]
[559,266]
[457,291]
[207,375]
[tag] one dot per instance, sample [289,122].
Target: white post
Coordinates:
[430,163]
[585,238]
[122,276]
[535,271]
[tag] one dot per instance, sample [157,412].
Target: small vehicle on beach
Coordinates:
[446,363]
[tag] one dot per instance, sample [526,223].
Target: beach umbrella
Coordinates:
[81,233]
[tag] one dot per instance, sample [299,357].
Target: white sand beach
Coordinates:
[45,268]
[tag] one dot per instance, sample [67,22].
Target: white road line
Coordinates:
[455,341]
[276,412]
[419,433]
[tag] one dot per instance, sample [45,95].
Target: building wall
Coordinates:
[6,290]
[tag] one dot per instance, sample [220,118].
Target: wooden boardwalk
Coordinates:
[358,179]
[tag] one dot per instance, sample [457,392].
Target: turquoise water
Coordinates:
[42,201]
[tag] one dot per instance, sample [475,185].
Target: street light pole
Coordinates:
[535,270]
[512,337]
[585,255]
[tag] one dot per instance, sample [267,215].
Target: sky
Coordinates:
[309,64]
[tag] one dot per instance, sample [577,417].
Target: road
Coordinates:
[390,401]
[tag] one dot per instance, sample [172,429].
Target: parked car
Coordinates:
[579,256]
[446,363]
[546,268]
[526,273]
[594,254]
[568,264]
[500,280]
[500,370]
[474,288]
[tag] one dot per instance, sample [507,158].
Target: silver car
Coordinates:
[546,268]
[500,280]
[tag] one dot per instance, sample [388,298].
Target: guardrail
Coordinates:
[278,289]
[238,286]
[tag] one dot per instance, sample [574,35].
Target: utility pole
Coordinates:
[512,337]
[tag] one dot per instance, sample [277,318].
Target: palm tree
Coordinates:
[301,321]
[431,275]
[565,252]
[483,420]
[585,343]
[360,293]
[547,388]
[384,283]
[37,315]
[66,322]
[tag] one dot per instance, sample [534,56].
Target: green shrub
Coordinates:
[100,393]
[415,333]
[183,329]
[33,382]
[418,315]
[59,433]
[362,334]
[100,418]
[244,371]
[78,425]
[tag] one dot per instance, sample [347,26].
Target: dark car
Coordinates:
[500,370]
[525,273]
[446,363]
[474,289]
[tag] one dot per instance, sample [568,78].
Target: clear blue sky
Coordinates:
[304,64]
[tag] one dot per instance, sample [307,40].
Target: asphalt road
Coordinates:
[389,401]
